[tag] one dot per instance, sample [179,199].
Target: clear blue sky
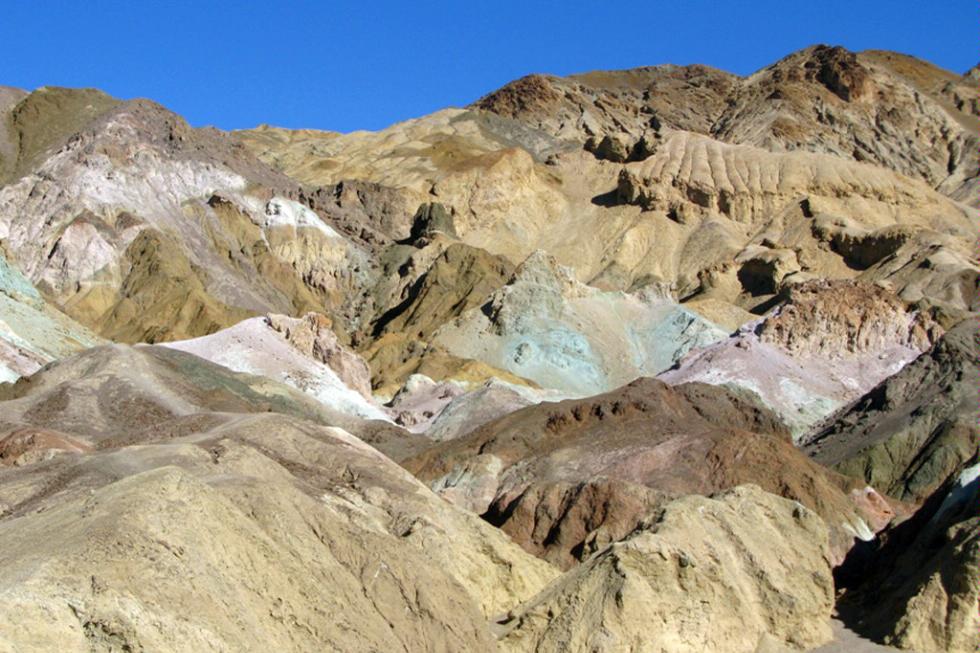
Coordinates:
[347,65]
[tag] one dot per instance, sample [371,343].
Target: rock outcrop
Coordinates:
[825,345]
[147,230]
[565,479]
[915,430]
[731,573]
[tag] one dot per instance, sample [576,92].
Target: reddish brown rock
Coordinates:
[574,475]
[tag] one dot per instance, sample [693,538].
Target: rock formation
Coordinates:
[825,345]
[565,479]
[393,390]
[302,353]
[915,430]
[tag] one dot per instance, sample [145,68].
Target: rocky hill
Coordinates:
[656,359]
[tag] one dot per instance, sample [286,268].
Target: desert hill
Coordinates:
[661,359]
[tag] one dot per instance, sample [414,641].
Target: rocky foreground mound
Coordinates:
[244,529]
[695,561]
[193,518]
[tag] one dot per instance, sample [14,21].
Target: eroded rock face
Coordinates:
[728,573]
[566,478]
[828,343]
[737,178]
[915,430]
[839,319]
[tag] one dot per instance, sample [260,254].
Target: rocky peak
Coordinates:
[532,94]
[838,70]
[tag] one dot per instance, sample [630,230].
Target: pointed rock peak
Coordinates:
[834,67]
[543,269]
[528,94]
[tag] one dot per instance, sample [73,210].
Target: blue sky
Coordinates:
[347,65]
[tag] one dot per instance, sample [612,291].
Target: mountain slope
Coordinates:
[916,429]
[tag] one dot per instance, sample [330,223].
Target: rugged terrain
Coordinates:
[662,359]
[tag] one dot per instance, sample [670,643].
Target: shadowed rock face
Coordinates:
[566,479]
[919,590]
[916,429]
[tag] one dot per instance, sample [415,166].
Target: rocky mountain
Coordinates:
[146,230]
[658,359]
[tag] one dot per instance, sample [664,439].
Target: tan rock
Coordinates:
[308,536]
[312,335]
[720,574]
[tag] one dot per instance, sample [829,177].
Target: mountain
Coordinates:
[655,359]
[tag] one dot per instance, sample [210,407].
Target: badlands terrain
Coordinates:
[656,360]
